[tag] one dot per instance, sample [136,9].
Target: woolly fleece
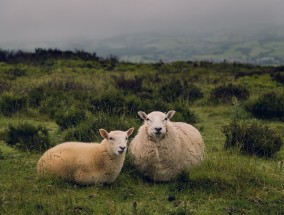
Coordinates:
[83,163]
[181,148]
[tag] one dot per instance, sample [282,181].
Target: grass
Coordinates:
[226,183]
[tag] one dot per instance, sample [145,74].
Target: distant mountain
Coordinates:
[263,45]
[259,45]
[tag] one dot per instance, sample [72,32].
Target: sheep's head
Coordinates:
[156,123]
[117,140]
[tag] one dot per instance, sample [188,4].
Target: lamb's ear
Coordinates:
[143,115]
[103,133]
[170,114]
[129,131]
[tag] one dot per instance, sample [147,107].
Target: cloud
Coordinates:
[57,20]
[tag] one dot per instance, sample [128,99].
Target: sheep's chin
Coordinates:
[120,152]
[156,137]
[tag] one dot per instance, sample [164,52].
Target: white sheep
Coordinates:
[87,163]
[162,149]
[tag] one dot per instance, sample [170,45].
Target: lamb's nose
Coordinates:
[158,129]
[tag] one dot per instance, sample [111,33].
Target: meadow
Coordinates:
[49,96]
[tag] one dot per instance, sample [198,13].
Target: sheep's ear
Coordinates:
[143,115]
[103,133]
[129,131]
[170,114]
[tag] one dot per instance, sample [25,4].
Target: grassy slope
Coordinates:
[226,183]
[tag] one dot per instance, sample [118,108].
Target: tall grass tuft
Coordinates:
[88,130]
[278,76]
[1,155]
[268,106]
[129,85]
[4,86]
[252,137]
[178,89]
[70,118]
[172,91]
[28,137]
[13,74]
[11,103]
[225,93]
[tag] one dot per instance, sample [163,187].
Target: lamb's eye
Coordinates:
[126,138]
[166,118]
[147,119]
[111,138]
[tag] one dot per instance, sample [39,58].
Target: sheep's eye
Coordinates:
[166,118]
[147,119]
[111,138]
[126,138]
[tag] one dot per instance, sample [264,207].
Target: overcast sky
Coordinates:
[26,21]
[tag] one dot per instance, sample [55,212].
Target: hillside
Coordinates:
[263,46]
[60,96]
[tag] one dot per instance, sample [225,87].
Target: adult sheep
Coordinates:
[162,149]
[87,163]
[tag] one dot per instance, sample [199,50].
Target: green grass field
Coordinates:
[226,183]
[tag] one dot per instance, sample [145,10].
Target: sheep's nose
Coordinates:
[122,147]
[158,129]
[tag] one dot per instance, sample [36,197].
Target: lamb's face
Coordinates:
[156,123]
[117,140]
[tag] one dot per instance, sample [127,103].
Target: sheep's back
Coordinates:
[62,160]
[191,142]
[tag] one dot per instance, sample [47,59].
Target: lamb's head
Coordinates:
[117,140]
[156,123]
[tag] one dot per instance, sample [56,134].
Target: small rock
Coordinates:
[171,198]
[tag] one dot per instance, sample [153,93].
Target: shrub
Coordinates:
[194,93]
[111,104]
[84,132]
[268,106]
[103,120]
[110,62]
[132,105]
[36,95]
[117,105]
[88,130]
[10,104]
[225,93]
[148,105]
[1,155]
[279,77]
[252,137]
[129,85]
[69,118]
[133,86]
[65,83]
[178,89]
[183,114]
[13,74]
[4,86]
[29,137]
[146,93]
[172,91]
[55,103]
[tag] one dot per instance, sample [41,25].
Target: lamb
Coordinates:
[87,163]
[162,149]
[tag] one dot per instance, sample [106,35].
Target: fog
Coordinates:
[27,24]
